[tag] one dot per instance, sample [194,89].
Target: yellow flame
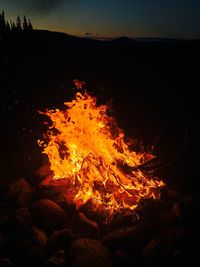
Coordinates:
[87,148]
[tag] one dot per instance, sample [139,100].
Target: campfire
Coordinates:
[98,205]
[89,153]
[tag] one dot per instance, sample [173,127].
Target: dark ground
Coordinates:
[153,85]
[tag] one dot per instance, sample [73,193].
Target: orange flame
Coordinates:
[87,148]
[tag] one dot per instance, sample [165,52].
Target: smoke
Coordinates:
[38,6]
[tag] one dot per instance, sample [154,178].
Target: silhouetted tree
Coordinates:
[2,23]
[7,27]
[25,24]
[18,23]
[13,25]
[30,26]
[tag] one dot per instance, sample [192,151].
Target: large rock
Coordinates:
[185,210]
[21,191]
[81,226]
[48,215]
[5,262]
[161,247]
[89,253]
[60,240]
[124,258]
[4,212]
[155,253]
[43,173]
[24,253]
[128,237]
[125,219]
[23,217]
[165,219]
[57,260]
[38,237]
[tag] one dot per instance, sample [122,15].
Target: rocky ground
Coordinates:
[40,227]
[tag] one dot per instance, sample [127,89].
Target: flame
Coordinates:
[85,147]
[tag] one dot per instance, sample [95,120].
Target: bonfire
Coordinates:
[87,150]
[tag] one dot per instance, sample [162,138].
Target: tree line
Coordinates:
[14,26]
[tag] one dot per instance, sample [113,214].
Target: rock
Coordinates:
[24,253]
[23,217]
[185,257]
[153,247]
[174,236]
[60,240]
[123,258]
[2,241]
[95,213]
[81,226]
[178,257]
[165,219]
[21,191]
[153,253]
[170,196]
[128,218]
[134,237]
[44,171]
[41,174]
[38,237]
[58,259]
[161,247]
[48,215]
[89,253]
[3,190]
[184,210]
[5,262]
[150,209]
[4,212]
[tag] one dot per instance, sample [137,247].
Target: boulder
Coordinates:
[24,253]
[185,210]
[21,191]
[161,247]
[133,237]
[5,262]
[81,226]
[60,240]
[4,212]
[38,237]
[89,253]
[57,260]
[23,217]
[48,215]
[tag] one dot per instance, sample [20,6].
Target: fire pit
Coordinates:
[96,202]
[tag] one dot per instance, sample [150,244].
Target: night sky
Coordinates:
[111,18]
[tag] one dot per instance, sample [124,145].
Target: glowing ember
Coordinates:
[87,148]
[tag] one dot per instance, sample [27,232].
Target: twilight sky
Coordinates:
[111,18]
